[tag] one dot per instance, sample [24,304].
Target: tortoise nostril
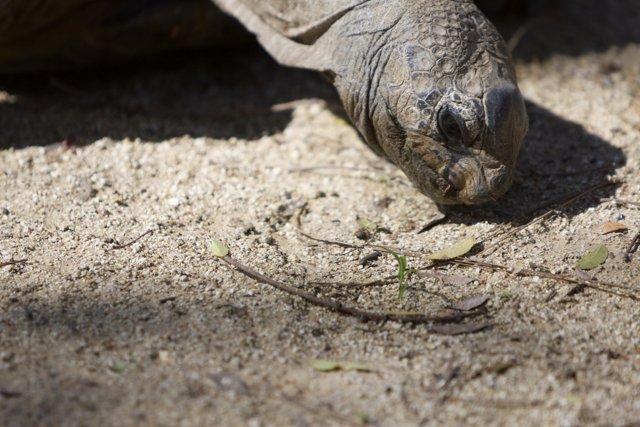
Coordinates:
[453,128]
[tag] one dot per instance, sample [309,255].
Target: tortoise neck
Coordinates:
[360,89]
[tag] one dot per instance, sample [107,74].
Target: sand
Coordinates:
[177,152]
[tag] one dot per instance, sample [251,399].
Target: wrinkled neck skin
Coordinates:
[434,91]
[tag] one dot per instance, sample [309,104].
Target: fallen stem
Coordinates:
[12,262]
[564,202]
[355,284]
[298,226]
[348,168]
[330,304]
[633,247]
[119,246]
[603,287]
[622,202]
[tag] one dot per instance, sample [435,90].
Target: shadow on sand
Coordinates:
[541,28]
[212,93]
[225,94]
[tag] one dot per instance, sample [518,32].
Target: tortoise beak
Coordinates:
[488,174]
[506,122]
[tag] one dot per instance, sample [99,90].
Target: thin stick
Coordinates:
[633,247]
[298,226]
[499,403]
[291,105]
[622,202]
[12,262]
[349,168]
[119,246]
[571,199]
[331,242]
[338,307]
[353,285]
[347,245]
[603,287]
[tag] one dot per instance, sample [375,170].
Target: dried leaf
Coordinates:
[594,258]
[329,366]
[471,303]
[461,328]
[502,367]
[218,249]
[611,227]
[454,251]
[446,315]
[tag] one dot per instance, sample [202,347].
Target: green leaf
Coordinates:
[119,366]
[218,249]
[357,367]
[329,366]
[369,225]
[402,289]
[323,365]
[403,270]
[454,251]
[364,418]
[594,258]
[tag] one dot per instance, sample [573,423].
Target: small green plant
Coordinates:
[403,270]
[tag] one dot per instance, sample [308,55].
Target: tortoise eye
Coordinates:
[453,128]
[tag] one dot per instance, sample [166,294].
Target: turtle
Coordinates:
[428,84]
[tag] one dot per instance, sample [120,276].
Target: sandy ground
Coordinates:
[186,150]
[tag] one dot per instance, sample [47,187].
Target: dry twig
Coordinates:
[12,262]
[298,226]
[353,285]
[593,284]
[633,247]
[564,202]
[119,246]
[622,202]
[330,304]
[349,168]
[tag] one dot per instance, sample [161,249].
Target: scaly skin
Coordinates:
[429,84]
[436,93]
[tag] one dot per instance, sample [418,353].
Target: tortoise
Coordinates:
[428,84]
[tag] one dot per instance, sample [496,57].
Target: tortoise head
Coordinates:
[447,109]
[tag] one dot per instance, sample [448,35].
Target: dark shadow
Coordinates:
[210,97]
[212,93]
[559,158]
[540,28]
[43,383]
[231,93]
